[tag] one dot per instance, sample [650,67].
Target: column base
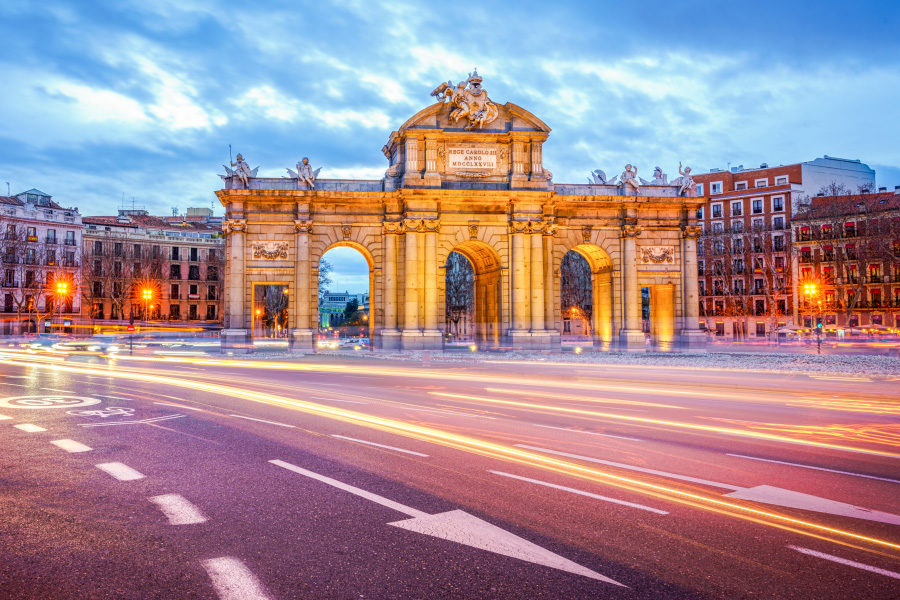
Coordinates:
[531,340]
[301,340]
[691,339]
[632,340]
[602,345]
[417,339]
[235,340]
[389,339]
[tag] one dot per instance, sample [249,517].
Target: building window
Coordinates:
[738,265]
[778,203]
[715,187]
[154,252]
[779,264]
[717,227]
[174,271]
[98,247]
[8,304]
[212,255]
[757,206]
[195,254]
[740,185]
[192,312]
[70,238]
[175,311]
[737,209]
[737,226]
[211,312]
[760,327]
[758,225]
[193,291]
[738,245]
[701,268]
[137,251]
[51,236]
[699,214]
[212,273]
[778,223]
[211,292]
[194,272]
[175,254]
[174,291]
[716,211]
[782,180]
[761,183]
[850,229]
[700,190]
[118,248]
[30,234]
[10,232]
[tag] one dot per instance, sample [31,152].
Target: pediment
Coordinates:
[511,117]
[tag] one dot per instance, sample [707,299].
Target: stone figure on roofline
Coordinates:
[305,173]
[688,186]
[659,178]
[629,178]
[598,177]
[242,171]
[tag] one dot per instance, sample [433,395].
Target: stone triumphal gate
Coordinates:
[465,175]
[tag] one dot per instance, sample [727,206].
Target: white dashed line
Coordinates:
[29,427]
[177,406]
[264,421]
[582,493]
[71,445]
[178,510]
[120,471]
[350,439]
[233,580]
[781,462]
[844,561]
[609,435]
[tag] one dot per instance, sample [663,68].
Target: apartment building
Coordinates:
[40,251]
[152,268]
[745,254]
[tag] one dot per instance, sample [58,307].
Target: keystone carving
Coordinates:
[631,231]
[473,231]
[269,250]
[586,234]
[346,230]
[691,231]
[302,226]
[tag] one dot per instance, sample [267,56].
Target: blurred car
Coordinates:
[327,344]
[43,343]
[96,344]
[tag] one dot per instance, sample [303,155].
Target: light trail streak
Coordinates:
[667,423]
[582,398]
[512,454]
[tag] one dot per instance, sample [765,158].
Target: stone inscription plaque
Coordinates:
[472,158]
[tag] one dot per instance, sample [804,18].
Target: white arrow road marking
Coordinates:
[581,492]
[233,580]
[29,427]
[71,445]
[781,462]
[350,439]
[781,497]
[844,561]
[178,510]
[120,471]
[765,494]
[461,527]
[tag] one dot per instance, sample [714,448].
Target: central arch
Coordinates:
[485,264]
[371,318]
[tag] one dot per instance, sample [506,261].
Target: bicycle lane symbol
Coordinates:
[43,402]
[111,411]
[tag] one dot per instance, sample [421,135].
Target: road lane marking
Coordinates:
[29,427]
[844,561]
[443,412]
[178,406]
[337,400]
[264,421]
[461,527]
[634,468]
[58,390]
[234,581]
[120,471]
[178,509]
[15,384]
[152,420]
[609,435]
[343,437]
[781,462]
[412,512]
[71,445]
[582,492]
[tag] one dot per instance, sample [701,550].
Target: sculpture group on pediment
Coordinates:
[469,101]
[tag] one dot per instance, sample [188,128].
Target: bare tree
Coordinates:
[460,293]
[325,269]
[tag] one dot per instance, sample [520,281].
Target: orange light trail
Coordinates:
[502,452]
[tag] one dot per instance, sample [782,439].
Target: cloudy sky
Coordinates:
[105,100]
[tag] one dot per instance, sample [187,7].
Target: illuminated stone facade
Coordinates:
[482,191]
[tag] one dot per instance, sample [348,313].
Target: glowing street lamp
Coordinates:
[147,294]
[61,290]
[810,289]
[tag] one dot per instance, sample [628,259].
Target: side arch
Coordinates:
[601,268]
[486,264]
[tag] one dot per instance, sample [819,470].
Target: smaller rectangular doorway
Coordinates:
[270,310]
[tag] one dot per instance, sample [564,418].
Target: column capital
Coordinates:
[422,225]
[302,226]
[234,226]
[691,231]
[394,227]
[631,231]
[526,226]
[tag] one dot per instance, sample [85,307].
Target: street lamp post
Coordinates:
[810,290]
[147,294]
[62,290]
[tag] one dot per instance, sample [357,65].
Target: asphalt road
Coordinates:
[353,478]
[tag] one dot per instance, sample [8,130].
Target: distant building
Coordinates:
[847,261]
[40,248]
[179,260]
[744,255]
[334,303]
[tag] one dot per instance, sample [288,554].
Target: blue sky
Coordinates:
[105,100]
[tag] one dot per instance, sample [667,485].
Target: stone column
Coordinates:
[537,281]
[602,308]
[302,333]
[518,281]
[236,336]
[690,334]
[390,336]
[631,337]
[549,299]
[431,334]
[411,337]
